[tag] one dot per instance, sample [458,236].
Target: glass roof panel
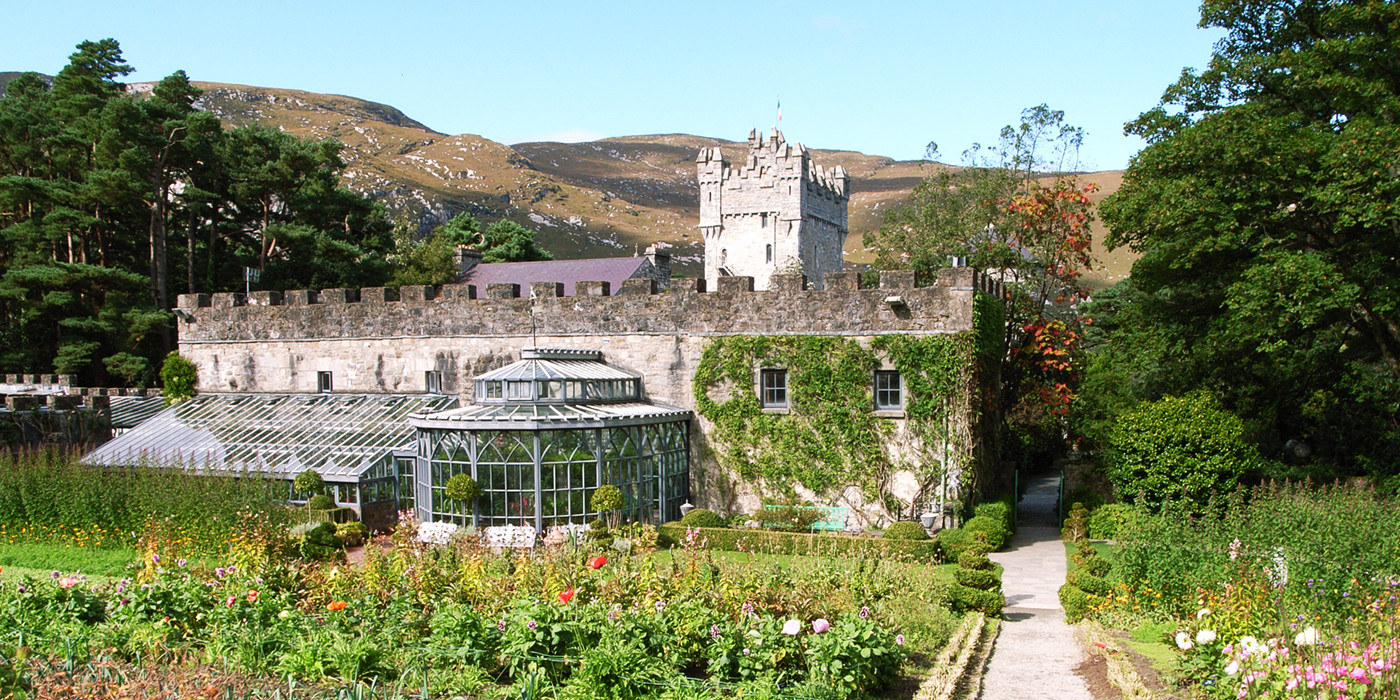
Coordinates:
[338,435]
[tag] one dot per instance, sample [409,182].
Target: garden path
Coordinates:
[1036,653]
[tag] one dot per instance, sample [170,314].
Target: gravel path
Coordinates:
[1036,652]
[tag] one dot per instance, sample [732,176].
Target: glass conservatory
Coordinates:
[543,434]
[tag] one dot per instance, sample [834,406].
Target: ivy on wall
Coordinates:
[831,438]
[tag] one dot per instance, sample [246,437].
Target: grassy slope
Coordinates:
[39,560]
[600,198]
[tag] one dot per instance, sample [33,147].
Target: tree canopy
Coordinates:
[99,184]
[1266,208]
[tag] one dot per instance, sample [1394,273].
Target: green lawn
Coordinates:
[1105,549]
[40,560]
[938,572]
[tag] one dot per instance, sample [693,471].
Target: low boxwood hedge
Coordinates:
[773,542]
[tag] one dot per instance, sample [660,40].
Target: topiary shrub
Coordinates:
[1096,566]
[1075,602]
[1187,447]
[964,599]
[1076,524]
[462,488]
[952,542]
[318,542]
[320,502]
[981,580]
[989,530]
[976,546]
[975,561]
[1000,510]
[607,500]
[308,482]
[702,517]
[906,530]
[1088,582]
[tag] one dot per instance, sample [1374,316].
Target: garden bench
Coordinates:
[833,517]
[512,536]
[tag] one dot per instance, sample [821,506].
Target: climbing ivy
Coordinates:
[829,438]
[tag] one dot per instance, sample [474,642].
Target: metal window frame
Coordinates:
[882,403]
[773,394]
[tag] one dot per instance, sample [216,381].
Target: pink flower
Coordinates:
[229,602]
[899,639]
[68,581]
[820,625]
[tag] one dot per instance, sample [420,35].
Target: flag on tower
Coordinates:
[780,110]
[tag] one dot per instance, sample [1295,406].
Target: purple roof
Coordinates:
[610,270]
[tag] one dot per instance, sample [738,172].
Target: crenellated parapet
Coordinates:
[790,306]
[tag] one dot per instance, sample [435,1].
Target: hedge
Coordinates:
[773,542]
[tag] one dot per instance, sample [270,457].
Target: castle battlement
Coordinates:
[379,340]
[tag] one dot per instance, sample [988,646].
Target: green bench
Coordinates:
[833,517]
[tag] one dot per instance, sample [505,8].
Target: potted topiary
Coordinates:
[463,489]
[310,484]
[607,500]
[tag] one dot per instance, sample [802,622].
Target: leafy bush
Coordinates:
[989,530]
[1002,510]
[702,517]
[1076,524]
[981,580]
[1088,582]
[1179,448]
[317,542]
[1075,602]
[352,534]
[308,482]
[906,530]
[1107,520]
[462,488]
[856,655]
[953,542]
[771,542]
[964,599]
[320,502]
[178,378]
[975,561]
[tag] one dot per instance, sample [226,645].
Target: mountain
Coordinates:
[594,199]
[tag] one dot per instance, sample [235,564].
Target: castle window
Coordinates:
[323,382]
[432,382]
[774,388]
[763,220]
[769,252]
[889,391]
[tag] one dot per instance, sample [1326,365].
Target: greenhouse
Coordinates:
[543,434]
[360,444]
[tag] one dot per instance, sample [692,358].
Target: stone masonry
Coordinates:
[778,212]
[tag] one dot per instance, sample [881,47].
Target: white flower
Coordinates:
[1232,668]
[1205,636]
[1202,613]
[1278,573]
[1251,645]
[1308,637]
[792,627]
[1183,641]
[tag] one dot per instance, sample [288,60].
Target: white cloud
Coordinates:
[566,136]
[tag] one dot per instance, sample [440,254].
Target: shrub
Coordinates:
[1075,602]
[988,530]
[1187,447]
[976,546]
[308,482]
[772,542]
[317,542]
[321,502]
[906,530]
[1001,510]
[790,517]
[981,580]
[1096,566]
[1088,582]
[964,599]
[1077,524]
[953,542]
[1107,520]
[702,517]
[462,488]
[178,378]
[975,561]
[352,534]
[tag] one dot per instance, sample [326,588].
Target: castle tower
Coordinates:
[778,212]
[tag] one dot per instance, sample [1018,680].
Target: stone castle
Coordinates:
[777,212]
[774,229]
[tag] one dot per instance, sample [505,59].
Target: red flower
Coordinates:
[597,562]
[566,596]
[336,605]
[252,596]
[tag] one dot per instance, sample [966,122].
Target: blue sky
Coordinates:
[879,77]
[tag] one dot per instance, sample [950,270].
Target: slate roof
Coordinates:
[610,270]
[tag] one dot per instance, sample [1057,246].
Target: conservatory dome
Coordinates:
[543,434]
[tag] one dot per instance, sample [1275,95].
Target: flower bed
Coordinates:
[827,545]
[564,620]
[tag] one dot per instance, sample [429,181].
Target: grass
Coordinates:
[40,559]
[936,572]
[1105,550]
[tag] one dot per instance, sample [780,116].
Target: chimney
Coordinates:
[467,258]
[661,262]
